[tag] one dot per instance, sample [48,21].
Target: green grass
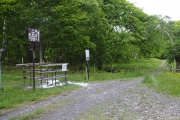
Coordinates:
[121,71]
[29,116]
[102,76]
[147,65]
[15,95]
[165,82]
[42,110]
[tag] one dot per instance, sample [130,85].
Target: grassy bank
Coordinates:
[134,69]
[165,82]
[15,95]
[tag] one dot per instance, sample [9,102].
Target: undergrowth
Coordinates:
[165,82]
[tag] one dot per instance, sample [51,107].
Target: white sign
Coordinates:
[87,53]
[33,35]
[64,67]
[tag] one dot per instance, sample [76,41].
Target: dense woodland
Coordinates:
[113,30]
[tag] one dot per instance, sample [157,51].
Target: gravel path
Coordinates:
[116,100]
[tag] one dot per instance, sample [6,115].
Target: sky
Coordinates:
[170,8]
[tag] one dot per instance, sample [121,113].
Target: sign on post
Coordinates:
[87,55]
[87,65]
[33,35]
[34,38]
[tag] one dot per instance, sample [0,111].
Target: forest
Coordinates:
[114,31]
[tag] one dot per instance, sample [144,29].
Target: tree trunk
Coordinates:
[177,64]
[4,40]
[99,64]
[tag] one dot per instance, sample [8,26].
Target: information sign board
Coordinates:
[33,35]
[87,53]
[64,67]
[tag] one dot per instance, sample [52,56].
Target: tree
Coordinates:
[6,13]
[128,25]
[173,49]
[113,30]
[69,34]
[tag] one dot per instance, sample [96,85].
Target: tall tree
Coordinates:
[129,24]
[68,35]
[173,49]
[6,12]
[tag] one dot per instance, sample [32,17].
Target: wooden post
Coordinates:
[0,77]
[65,77]
[40,49]
[87,70]
[1,88]
[33,70]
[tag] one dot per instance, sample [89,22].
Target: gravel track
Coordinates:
[116,100]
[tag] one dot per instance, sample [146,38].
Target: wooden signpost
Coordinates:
[34,38]
[87,65]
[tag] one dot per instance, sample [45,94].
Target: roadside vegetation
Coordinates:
[134,69]
[166,82]
[16,95]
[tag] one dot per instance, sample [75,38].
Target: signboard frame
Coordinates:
[33,35]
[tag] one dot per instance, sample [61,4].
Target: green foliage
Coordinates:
[113,31]
[173,52]
[69,36]
[176,27]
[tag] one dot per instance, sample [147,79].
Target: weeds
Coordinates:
[165,82]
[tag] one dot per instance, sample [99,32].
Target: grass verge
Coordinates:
[165,82]
[121,71]
[16,96]
[41,110]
